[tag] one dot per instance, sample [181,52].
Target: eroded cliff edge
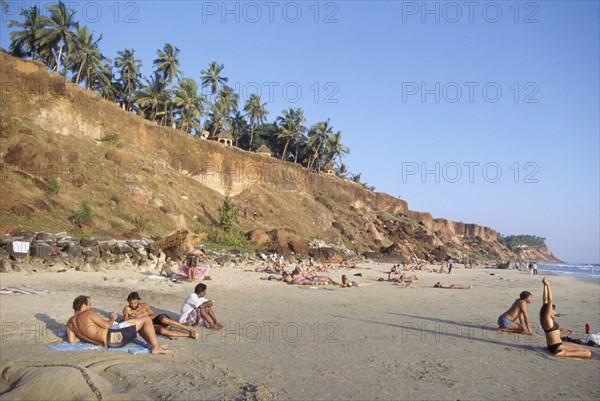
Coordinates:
[143,181]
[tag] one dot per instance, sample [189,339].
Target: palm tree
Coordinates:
[218,118]
[317,142]
[86,56]
[212,76]
[239,126]
[59,33]
[104,83]
[189,105]
[256,113]
[167,63]
[130,75]
[335,149]
[25,41]
[342,170]
[290,127]
[229,98]
[153,97]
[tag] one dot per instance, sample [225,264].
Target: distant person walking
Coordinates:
[535,266]
[530,268]
[449,265]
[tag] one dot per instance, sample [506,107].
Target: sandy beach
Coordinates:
[379,341]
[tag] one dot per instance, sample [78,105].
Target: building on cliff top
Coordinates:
[264,151]
[225,138]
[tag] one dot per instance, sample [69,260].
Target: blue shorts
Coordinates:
[116,338]
[504,322]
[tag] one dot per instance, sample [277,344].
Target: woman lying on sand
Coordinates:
[452,286]
[552,330]
[316,280]
[396,276]
[274,268]
[348,264]
[136,309]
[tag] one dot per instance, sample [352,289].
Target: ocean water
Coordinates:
[584,270]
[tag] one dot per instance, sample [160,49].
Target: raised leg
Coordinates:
[146,330]
[164,320]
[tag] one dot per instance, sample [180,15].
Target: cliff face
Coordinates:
[528,253]
[139,177]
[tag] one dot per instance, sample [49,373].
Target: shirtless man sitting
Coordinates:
[86,325]
[167,270]
[136,309]
[518,310]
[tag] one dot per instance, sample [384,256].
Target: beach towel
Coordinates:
[315,287]
[24,289]
[135,347]
[201,271]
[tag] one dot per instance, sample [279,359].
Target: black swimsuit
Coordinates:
[554,327]
[552,348]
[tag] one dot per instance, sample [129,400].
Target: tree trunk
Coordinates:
[251,138]
[78,74]
[58,56]
[283,156]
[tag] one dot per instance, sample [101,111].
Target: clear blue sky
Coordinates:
[413,86]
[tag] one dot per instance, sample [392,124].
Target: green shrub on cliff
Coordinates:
[219,239]
[52,187]
[84,212]
[228,213]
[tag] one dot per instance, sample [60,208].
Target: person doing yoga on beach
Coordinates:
[518,310]
[552,330]
[136,309]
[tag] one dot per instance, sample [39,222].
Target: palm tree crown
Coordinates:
[189,105]
[129,68]
[256,113]
[24,42]
[85,60]
[212,76]
[58,34]
[290,127]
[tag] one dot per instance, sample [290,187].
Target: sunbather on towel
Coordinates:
[453,286]
[136,309]
[87,325]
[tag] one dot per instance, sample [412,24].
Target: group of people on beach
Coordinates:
[197,310]
[191,270]
[311,274]
[518,311]
[139,318]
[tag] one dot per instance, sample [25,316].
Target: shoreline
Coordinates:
[408,343]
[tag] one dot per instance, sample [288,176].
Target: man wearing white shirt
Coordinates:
[197,310]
